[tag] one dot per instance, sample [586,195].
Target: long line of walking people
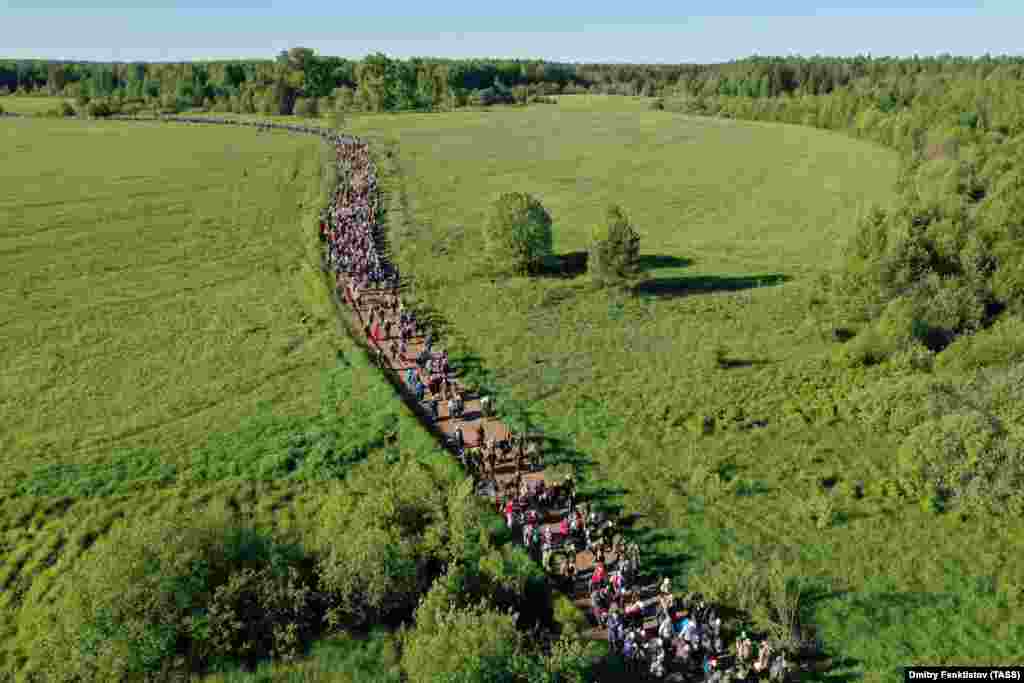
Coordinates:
[688,635]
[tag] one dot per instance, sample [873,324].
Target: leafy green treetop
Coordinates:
[518,234]
[615,249]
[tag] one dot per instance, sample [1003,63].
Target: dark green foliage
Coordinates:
[518,233]
[480,643]
[158,588]
[999,345]
[614,250]
[255,612]
[386,534]
[462,645]
[960,439]
[99,109]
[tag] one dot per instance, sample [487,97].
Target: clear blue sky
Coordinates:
[562,30]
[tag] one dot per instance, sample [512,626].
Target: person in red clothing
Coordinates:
[597,578]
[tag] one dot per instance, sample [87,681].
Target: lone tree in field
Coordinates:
[518,234]
[614,250]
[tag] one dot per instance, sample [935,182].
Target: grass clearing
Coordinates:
[709,403]
[168,344]
[135,255]
[32,105]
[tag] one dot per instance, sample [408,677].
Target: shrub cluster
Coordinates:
[162,594]
[962,444]
[518,233]
[764,588]
[159,594]
[99,109]
[614,250]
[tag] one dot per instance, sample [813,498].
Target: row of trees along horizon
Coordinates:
[379,83]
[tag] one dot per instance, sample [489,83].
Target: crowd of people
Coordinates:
[687,634]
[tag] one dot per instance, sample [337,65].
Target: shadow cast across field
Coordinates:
[568,265]
[574,263]
[655,261]
[705,284]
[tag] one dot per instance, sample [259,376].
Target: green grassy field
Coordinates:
[168,342]
[737,222]
[30,105]
[159,286]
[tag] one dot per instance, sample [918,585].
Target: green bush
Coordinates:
[899,325]
[518,233]
[255,612]
[1008,280]
[912,359]
[505,577]
[766,589]
[902,404]
[614,249]
[99,109]
[999,391]
[462,645]
[378,564]
[999,345]
[943,455]
[947,307]
[383,536]
[66,109]
[866,349]
[164,593]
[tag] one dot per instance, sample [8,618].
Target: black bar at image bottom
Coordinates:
[926,674]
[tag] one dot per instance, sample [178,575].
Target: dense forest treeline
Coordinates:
[379,83]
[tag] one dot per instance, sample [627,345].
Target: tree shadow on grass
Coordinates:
[568,265]
[574,263]
[558,452]
[655,261]
[432,319]
[731,363]
[705,284]
[655,564]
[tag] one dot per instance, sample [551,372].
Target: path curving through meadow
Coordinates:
[355,313]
